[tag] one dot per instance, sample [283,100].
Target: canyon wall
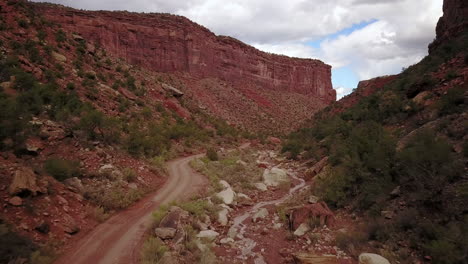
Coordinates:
[169,43]
[453,23]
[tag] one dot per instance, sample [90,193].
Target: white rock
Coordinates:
[260,214]
[226,240]
[369,258]
[165,232]
[241,162]
[223,217]
[275,176]
[208,234]
[277,226]
[302,229]
[227,196]
[243,196]
[225,184]
[261,186]
[59,57]
[232,233]
[313,199]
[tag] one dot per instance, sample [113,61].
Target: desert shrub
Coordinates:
[98,213]
[60,36]
[153,250]
[115,197]
[351,240]
[23,23]
[98,126]
[445,242]
[363,165]
[71,86]
[13,246]
[212,154]
[24,81]
[452,102]
[62,169]
[199,207]
[406,220]
[129,174]
[427,164]
[159,214]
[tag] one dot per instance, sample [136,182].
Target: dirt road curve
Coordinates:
[118,239]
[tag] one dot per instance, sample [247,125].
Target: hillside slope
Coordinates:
[396,153]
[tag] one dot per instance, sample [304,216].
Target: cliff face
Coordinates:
[452,23]
[171,43]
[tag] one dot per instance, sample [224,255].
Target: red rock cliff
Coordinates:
[452,23]
[170,43]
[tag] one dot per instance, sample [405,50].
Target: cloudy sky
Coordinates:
[361,39]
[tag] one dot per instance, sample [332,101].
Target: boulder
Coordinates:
[302,229]
[225,184]
[43,228]
[396,192]
[77,37]
[6,85]
[369,258]
[313,199]
[90,48]
[227,195]
[274,140]
[260,186]
[165,232]
[200,225]
[226,240]
[387,214]
[311,258]
[111,171]
[174,91]
[24,180]
[70,226]
[208,235]
[16,201]
[168,258]
[59,57]
[34,145]
[133,186]
[243,196]
[316,169]
[74,183]
[302,214]
[223,217]
[421,97]
[175,216]
[241,162]
[260,214]
[275,176]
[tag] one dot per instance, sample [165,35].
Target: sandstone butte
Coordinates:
[174,44]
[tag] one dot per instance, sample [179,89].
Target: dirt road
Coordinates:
[118,240]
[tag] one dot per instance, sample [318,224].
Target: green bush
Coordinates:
[153,250]
[212,154]
[427,163]
[115,197]
[60,36]
[129,174]
[62,169]
[159,214]
[452,102]
[13,246]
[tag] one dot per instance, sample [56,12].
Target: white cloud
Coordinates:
[398,38]
[340,91]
